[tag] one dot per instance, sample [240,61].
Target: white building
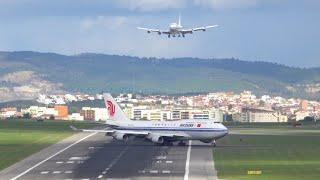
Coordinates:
[261,115]
[75,117]
[300,115]
[101,114]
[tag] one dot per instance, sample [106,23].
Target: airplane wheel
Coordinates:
[181,143]
[167,143]
[214,143]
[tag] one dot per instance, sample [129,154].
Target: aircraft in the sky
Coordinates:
[176,29]
[159,132]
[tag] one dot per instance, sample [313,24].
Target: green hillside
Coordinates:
[97,72]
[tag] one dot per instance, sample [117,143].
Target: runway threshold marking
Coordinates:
[55,154]
[186,174]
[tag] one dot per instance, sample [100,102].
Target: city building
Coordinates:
[62,111]
[75,117]
[87,113]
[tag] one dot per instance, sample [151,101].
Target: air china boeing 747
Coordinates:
[159,132]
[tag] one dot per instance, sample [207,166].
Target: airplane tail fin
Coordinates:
[115,112]
[179,22]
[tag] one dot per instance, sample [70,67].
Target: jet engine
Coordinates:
[156,139]
[121,136]
[206,140]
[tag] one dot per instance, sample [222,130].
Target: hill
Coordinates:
[25,74]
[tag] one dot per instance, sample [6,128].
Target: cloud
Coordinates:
[108,22]
[227,4]
[151,5]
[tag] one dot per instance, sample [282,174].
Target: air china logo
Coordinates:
[198,125]
[111,108]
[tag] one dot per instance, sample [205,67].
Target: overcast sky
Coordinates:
[282,31]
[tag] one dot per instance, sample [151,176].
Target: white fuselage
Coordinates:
[175,28]
[190,129]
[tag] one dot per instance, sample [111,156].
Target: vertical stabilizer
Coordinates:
[179,22]
[115,112]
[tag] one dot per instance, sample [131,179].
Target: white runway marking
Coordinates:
[70,162]
[166,172]
[78,158]
[99,177]
[59,162]
[41,162]
[169,162]
[68,172]
[161,157]
[44,172]
[153,171]
[56,172]
[186,175]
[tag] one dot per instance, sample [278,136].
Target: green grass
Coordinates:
[283,153]
[21,138]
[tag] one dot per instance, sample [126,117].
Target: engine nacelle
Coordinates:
[159,33]
[156,139]
[207,140]
[121,136]
[149,32]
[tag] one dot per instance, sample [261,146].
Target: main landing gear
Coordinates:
[182,143]
[214,143]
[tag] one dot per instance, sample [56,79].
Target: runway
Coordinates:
[95,156]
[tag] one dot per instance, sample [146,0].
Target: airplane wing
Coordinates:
[204,28]
[93,130]
[171,135]
[111,131]
[154,30]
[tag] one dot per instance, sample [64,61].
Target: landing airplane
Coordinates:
[176,29]
[159,132]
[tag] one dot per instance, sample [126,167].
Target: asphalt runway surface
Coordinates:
[95,156]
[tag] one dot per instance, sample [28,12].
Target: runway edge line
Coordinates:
[62,150]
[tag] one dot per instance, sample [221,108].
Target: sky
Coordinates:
[284,32]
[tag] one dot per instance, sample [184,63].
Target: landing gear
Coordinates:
[167,143]
[214,143]
[182,143]
[183,35]
[168,35]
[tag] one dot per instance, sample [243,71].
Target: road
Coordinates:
[95,156]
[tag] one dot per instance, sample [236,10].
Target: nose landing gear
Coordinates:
[214,143]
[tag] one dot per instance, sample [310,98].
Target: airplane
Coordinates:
[176,29]
[159,132]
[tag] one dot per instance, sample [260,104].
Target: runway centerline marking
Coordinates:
[166,172]
[114,161]
[44,172]
[153,171]
[55,154]
[186,175]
